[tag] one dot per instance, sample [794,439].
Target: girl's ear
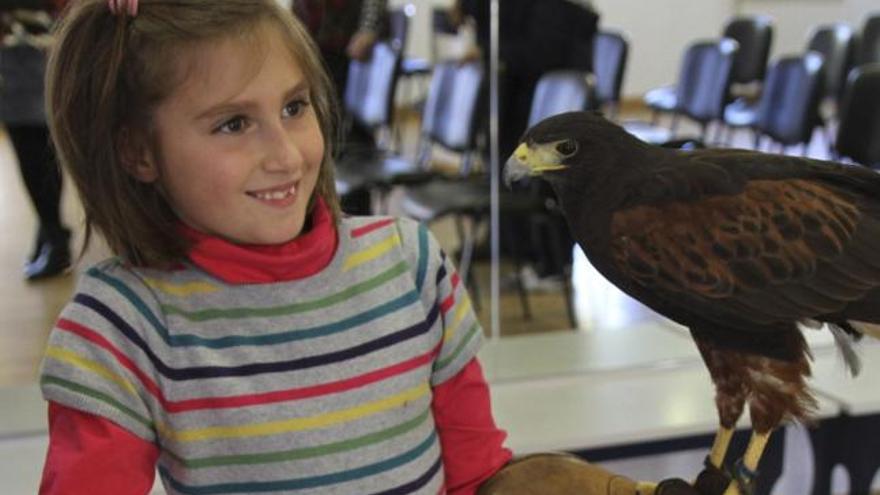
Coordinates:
[137,157]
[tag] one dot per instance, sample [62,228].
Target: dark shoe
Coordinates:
[53,259]
[38,247]
[712,480]
[675,486]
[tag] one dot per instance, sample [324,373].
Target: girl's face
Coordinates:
[238,146]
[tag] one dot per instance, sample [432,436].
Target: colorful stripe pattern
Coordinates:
[320,385]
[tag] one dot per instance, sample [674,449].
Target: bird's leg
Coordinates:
[747,467]
[730,399]
[720,445]
[645,488]
[755,450]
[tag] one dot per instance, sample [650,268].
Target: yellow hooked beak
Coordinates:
[531,160]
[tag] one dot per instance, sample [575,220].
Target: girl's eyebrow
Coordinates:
[233,106]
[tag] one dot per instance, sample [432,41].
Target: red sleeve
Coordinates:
[94,456]
[472,445]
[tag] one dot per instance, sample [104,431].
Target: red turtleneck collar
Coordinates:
[305,255]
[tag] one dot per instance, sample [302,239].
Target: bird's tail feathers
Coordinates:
[866,328]
[845,338]
[811,324]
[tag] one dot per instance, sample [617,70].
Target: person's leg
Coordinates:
[515,100]
[42,179]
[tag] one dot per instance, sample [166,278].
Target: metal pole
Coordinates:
[494,169]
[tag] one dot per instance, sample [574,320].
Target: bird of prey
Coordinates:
[743,248]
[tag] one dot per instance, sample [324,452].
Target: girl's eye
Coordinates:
[232,126]
[295,107]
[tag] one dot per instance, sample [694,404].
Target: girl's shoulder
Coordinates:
[116,279]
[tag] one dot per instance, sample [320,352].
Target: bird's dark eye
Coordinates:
[567,147]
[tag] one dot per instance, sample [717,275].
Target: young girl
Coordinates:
[246,338]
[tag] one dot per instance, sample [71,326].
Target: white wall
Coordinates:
[658,30]
[795,19]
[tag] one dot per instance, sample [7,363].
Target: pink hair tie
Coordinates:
[123,6]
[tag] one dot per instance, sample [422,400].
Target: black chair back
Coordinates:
[704,81]
[449,115]
[754,35]
[869,45]
[789,107]
[442,22]
[369,90]
[398,28]
[836,43]
[610,52]
[559,92]
[858,136]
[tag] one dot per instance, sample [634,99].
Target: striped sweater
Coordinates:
[318,385]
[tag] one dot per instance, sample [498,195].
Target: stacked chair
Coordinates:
[370,89]
[701,92]
[452,96]
[836,42]
[869,45]
[369,102]
[610,52]
[858,134]
[788,111]
[753,35]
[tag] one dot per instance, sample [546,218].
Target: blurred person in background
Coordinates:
[24,25]
[536,36]
[344,30]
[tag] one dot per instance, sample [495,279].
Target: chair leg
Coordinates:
[673,126]
[727,138]
[569,297]
[521,288]
[829,138]
[377,201]
[720,133]
[613,112]
[466,241]
[566,275]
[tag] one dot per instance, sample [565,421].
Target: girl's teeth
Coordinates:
[275,195]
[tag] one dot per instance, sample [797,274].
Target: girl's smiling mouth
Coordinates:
[277,196]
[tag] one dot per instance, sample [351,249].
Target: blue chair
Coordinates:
[788,111]
[869,44]
[836,42]
[701,92]
[858,135]
[753,35]
[448,120]
[610,53]
[370,87]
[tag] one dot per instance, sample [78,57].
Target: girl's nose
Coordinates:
[282,152]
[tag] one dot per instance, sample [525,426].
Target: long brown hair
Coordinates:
[106,75]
